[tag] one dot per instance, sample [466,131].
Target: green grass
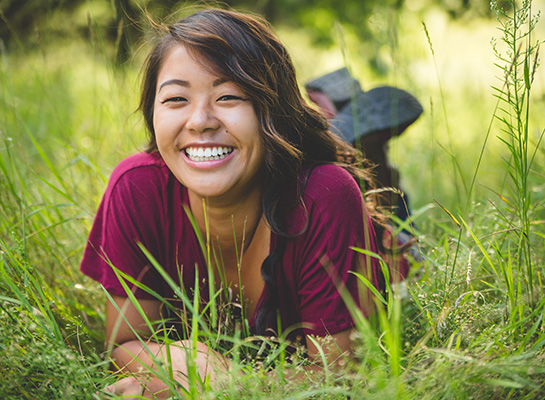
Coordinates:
[472,326]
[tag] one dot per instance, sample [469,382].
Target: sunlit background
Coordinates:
[78,62]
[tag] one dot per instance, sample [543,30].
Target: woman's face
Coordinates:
[206,129]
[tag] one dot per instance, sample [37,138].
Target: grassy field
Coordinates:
[473,165]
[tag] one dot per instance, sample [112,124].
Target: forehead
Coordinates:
[180,59]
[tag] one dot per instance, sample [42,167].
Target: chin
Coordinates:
[206,192]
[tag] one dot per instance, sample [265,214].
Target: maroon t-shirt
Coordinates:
[144,204]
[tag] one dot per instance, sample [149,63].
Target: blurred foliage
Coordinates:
[24,23]
[470,8]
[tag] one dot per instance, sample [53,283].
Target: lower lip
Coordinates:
[207,164]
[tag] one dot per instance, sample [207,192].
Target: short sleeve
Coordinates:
[338,221]
[129,214]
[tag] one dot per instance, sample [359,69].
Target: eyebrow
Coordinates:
[178,82]
[219,81]
[183,83]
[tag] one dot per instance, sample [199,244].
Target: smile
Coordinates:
[208,153]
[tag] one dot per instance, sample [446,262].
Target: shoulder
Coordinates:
[331,196]
[138,165]
[329,184]
[141,177]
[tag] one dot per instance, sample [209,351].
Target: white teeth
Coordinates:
[208,153]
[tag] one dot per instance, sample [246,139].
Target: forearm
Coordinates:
[136,357]
[142,361]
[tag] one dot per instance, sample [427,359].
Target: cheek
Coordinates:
[258,154]
[163,126]
[156,123]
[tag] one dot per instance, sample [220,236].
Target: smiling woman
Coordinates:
[233,141]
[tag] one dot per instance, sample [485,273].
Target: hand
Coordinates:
[139,387]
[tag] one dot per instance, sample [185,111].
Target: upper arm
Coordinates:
[326,262]
[131,215]
[119,324]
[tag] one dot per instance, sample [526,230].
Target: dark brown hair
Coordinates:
[244,50]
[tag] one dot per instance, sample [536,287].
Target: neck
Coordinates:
[226,222]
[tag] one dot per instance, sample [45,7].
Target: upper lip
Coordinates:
[197,145]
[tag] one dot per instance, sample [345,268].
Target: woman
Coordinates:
[234,145]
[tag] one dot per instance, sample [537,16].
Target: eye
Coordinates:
[175,99]
[228,97]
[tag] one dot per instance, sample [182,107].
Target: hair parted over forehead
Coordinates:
[244,50]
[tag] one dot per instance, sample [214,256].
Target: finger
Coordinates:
[129,386]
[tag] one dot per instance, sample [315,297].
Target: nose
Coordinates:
[202,118]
